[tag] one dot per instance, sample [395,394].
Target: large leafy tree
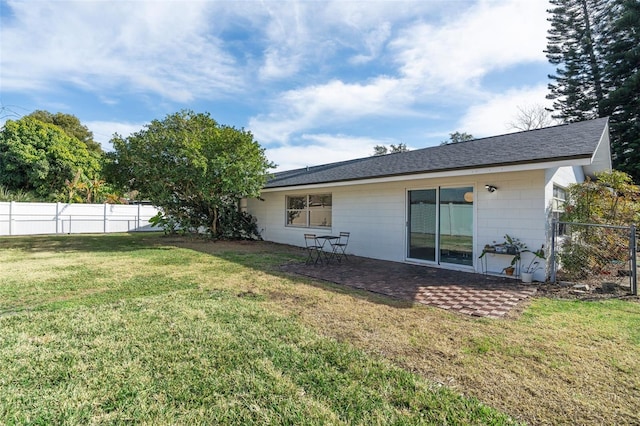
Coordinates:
[72,126]
[41,158]
[193,168]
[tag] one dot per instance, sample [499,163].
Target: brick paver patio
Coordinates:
[464,292]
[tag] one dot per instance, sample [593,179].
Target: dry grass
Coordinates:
[130,329]
[558,362]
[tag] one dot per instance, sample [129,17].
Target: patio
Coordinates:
[463,292]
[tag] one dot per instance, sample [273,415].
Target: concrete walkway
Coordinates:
[463,292]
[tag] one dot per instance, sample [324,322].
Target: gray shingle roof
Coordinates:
[564,142]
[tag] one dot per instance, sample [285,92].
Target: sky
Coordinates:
[314,81]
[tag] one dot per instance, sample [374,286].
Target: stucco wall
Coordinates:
[376,214]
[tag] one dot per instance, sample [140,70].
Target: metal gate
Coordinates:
[603,256]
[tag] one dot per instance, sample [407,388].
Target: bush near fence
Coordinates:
[61,218]
[601,256]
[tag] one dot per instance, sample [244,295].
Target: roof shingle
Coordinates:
[563,142]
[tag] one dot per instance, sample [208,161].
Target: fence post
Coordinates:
[57,218]
[554,227]
[106,220]
[11,204]
[138,219]
[634,265]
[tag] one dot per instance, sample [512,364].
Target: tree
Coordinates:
[532,117]
[457,137]
[612,199]
[82,189]
[595,45]
[383,150]
[39,157]
[622,72]
[194,169]
[72,126]
[380,150]
[577,88]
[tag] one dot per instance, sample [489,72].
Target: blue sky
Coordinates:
[314,81]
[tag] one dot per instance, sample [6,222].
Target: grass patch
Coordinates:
[133,329]
[145,328]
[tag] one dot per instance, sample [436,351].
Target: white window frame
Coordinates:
[307,209]
[558,206]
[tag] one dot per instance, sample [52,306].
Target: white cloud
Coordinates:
[374,41]
[492,116]
[278,64]
[103,131]
[159,47]
[489,36]
[323,149]
[334,102]
[436,64]
[304,67]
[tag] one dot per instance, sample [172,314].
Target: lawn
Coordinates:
[148,329]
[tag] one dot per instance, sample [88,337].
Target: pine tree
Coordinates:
[596,47]
[622,72]
[573,45]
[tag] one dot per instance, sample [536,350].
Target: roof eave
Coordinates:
[581,160]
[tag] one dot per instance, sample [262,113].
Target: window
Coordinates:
[559,198]
[309,211]
[557,206]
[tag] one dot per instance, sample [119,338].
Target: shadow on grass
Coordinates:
[280,260]
[394,284]
[81,243]
[390,283]
[273,258]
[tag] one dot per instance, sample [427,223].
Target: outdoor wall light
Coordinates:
[491,188]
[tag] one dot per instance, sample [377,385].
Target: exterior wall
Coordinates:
[517,208]
[561,176]
[376,214]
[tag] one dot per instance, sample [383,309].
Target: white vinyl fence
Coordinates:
[61,218]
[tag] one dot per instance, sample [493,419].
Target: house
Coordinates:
[439,206]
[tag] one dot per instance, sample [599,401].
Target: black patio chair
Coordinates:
[314,250]
[340,247]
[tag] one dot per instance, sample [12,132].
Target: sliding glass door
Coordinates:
[422,224]
[440,225]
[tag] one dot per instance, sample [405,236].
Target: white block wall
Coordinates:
[376,214]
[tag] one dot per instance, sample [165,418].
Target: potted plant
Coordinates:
[509,270]
[511,246]
[515,247]
[534,264]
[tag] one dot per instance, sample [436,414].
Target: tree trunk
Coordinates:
[593,61]
[213,216]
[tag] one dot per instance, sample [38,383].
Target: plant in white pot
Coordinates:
[534,264]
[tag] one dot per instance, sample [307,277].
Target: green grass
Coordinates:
[132,329]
